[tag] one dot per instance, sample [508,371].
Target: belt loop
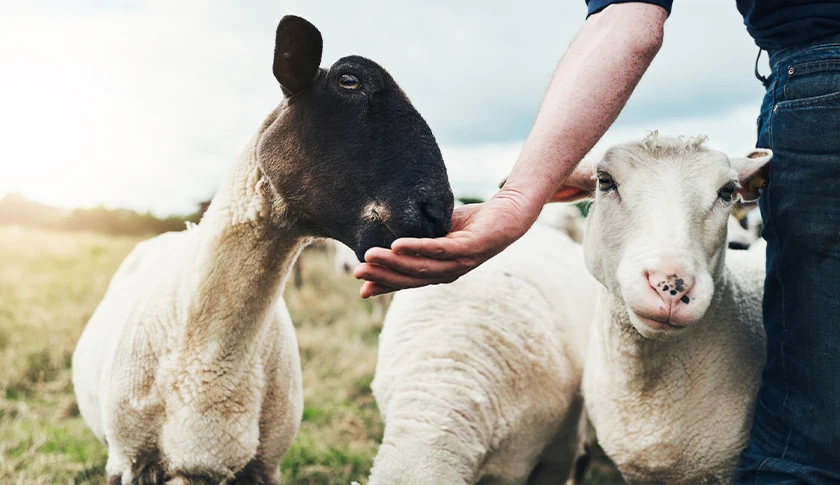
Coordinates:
[758,76]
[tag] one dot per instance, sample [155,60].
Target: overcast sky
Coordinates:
[146,103]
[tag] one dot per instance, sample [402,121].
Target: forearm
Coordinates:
[590,87]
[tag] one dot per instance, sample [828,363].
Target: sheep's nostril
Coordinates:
[671,287]
[436,218]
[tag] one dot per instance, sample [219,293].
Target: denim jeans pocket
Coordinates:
[811,83]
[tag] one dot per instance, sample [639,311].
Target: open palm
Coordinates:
[479,232]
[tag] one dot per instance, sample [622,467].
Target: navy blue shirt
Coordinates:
[774,24]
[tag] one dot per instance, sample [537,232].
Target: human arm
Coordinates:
[590,87]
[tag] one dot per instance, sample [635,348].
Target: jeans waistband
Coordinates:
[781,54]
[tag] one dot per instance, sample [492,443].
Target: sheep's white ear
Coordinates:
[753,172]
[579,185]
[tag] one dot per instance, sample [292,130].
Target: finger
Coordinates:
[390,278]
[417,266]
[438,248]
[376,252]
[441,247]
[369,289]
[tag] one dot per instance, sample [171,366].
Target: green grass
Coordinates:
[50,283]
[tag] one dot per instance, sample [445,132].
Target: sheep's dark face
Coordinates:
[348,152]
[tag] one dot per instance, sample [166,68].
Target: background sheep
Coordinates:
[478,381]
[677,347]
[189,367]
[737,236]
[344,261]
[566,218]
[744,226]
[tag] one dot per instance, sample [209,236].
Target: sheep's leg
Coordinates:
[548,473]
[380,306]
[196,480]
[298,271]
[118,466]
[258,473]
[581,466]
[151,474]
[378,313]
[144,468]
[583,455]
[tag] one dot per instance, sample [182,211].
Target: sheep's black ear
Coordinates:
[753,173]
[297,54]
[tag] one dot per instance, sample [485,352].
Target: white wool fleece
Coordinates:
[672,372]
[478,381]
[191,358]
[679,411]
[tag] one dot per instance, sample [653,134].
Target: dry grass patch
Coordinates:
[50,283]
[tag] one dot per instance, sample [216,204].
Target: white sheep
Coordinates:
[344,261]
[189,367]
[744,227]
[566,218]
[677,346]
[737,236]
[478,381]
[343,258]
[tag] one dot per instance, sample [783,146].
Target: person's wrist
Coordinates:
[524,207]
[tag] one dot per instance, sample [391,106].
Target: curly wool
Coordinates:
[678,412]
[190,362]
[478,381]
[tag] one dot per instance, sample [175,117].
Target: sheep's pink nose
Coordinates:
[671,286]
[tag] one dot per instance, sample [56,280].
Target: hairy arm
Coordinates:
[590,87]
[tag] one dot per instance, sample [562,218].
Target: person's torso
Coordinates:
[778,24]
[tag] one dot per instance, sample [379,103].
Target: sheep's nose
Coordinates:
[438,217]
[671,286]
[738,245]
[422,217]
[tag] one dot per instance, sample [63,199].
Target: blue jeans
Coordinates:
[795,437]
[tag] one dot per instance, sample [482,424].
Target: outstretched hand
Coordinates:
[479,232]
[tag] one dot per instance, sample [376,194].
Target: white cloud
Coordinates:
[476,170]
[145,104]
[122,108]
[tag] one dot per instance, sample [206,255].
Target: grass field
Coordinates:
[50,283]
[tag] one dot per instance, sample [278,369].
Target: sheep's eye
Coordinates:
[349,81]
[726,192]
[606,182]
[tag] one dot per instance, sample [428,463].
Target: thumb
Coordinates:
[462,216]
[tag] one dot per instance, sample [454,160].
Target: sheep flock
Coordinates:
[638,326]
